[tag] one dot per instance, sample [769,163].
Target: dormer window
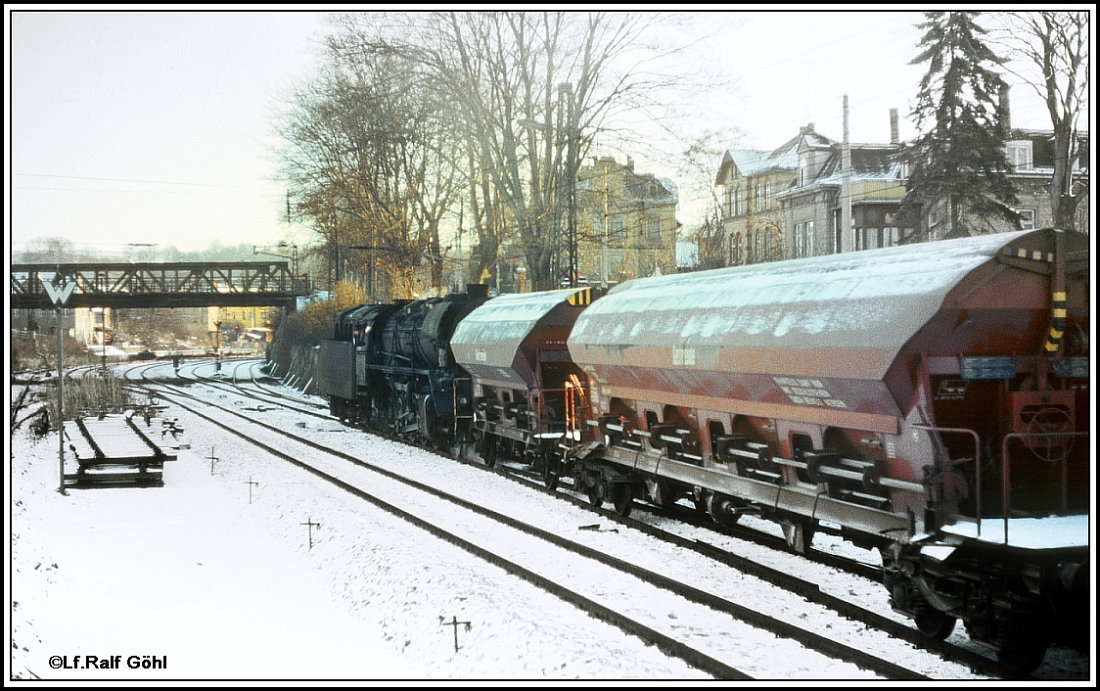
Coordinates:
[1019,154]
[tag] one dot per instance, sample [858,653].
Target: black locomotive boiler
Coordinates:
[391,366]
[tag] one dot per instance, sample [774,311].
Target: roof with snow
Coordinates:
[670,187]
[869,162]
[487,342]
[749,162]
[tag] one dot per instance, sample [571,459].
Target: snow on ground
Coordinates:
[225,589]
[231,590]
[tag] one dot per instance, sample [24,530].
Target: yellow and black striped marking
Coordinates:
[1058,323]
[1034,255]
[581,298]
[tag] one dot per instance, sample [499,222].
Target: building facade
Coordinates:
[626,222]
[812,207]
[789,202]
[1031,154]
[751,183]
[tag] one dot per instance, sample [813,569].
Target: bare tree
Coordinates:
[1055,48]
[43,250]
[530,91]
[710,238]
[364,155]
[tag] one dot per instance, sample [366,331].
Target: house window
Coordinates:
[870,239]
[735,249]
[808,244]
[758,204]
[1027,218]
[736,200]
[767,194]
[1019,154]
[798,229]
[760,246]
[653,230]
[890,237]
[803,168]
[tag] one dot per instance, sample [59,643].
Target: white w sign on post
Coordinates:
[60,292]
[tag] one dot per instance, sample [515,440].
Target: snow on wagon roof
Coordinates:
[498,326]
[877,298]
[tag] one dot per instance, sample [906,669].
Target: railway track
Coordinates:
[659,527]
[733,612]
[962,652]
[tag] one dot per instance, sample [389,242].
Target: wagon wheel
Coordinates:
[1022,642]
[490,451]
[551,473]
[935,624]
[622,496]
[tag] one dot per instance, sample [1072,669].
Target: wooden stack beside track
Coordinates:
[116,451]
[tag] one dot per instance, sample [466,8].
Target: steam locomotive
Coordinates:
[931,401]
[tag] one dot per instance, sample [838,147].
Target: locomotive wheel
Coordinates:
[622,496]
[935,624]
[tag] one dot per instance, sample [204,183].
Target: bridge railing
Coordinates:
[183,284]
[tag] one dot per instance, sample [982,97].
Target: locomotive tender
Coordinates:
[930,400]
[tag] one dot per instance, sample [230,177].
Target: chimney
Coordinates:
[808,129]
[1006,109]
[893,125]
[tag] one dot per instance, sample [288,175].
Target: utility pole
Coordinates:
[217,345]
[60,407]
[103,339]
[565,93]
[460,279]
[846,244]
[59,293]
[606,223]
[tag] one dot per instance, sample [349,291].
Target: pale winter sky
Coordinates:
[155,127]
